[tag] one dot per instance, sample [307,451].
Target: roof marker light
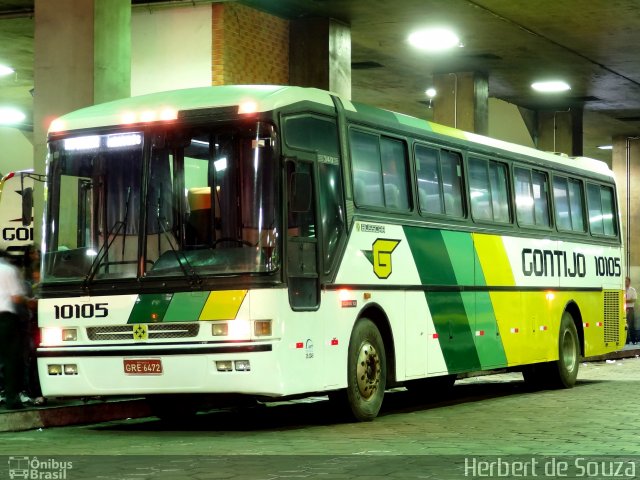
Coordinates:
[168,114]
[128,117]
[148,116]
[248,107]
[57,125]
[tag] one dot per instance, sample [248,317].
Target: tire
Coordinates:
[366,371]
[563,372]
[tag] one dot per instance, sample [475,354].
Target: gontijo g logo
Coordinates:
[380,256]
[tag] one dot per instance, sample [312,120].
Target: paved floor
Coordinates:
[488,424]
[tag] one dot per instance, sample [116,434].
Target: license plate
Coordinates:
[142,366]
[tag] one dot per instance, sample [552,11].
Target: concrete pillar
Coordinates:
[626,166]
[249,46]
[462,101]
[560,131]
[320,55]
[82,57]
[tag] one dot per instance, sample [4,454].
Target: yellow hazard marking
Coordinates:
[140,331]
[223,305]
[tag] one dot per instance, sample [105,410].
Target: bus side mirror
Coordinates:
[300,192]
[27,206]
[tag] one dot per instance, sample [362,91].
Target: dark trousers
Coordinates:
[11,356]
[632,336]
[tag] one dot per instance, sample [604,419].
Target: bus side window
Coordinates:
[601,208]
[489,193]
[367,175]
[568,198]
[532,203]
[394,173]
[428,180]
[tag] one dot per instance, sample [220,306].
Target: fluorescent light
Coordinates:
[551,86]
[9,116]
[5,70]
[605,147]
[434,39]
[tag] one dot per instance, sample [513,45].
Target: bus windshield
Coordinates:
[182,202]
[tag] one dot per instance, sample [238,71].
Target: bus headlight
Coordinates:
[51,336]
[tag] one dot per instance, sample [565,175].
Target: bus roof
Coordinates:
[263,98]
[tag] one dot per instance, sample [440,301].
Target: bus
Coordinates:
[277,242]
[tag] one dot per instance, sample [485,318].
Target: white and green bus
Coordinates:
[273,242]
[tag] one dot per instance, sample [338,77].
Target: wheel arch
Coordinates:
[376,314]
[573,309]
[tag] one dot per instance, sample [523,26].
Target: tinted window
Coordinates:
[312,133]
[439,181]
[601,210]
[568,198]
[532,203]
[379,171]
[489,193]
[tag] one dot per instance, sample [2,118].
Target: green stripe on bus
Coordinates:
[150,308]
[186,306]
[489,346]
[447,308]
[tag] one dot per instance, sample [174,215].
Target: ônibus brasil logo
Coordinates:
[40,469]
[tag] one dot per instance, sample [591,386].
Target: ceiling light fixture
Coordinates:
[430,92]
[4,70]
[606,147]
[11,116]
[434,39]
[551,86]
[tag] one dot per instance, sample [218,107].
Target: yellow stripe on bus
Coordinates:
[493,260]
[223,305]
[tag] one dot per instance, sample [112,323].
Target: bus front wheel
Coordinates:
[366,370]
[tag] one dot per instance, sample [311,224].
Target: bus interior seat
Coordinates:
[392,195]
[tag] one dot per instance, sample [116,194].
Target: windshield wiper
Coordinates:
[112,234]
[194,278]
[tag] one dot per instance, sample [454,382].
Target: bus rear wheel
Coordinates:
[563,372]
[366,370]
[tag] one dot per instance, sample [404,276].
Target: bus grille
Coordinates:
[611,316]
[155,331]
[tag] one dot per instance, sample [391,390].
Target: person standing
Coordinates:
[12,295]
[630,297]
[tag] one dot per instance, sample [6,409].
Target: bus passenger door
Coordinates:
[302,242]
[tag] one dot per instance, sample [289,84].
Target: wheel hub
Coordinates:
[368,370]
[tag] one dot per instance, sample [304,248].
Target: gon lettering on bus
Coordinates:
[552,263]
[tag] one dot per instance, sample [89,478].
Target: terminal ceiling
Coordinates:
[593,45]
